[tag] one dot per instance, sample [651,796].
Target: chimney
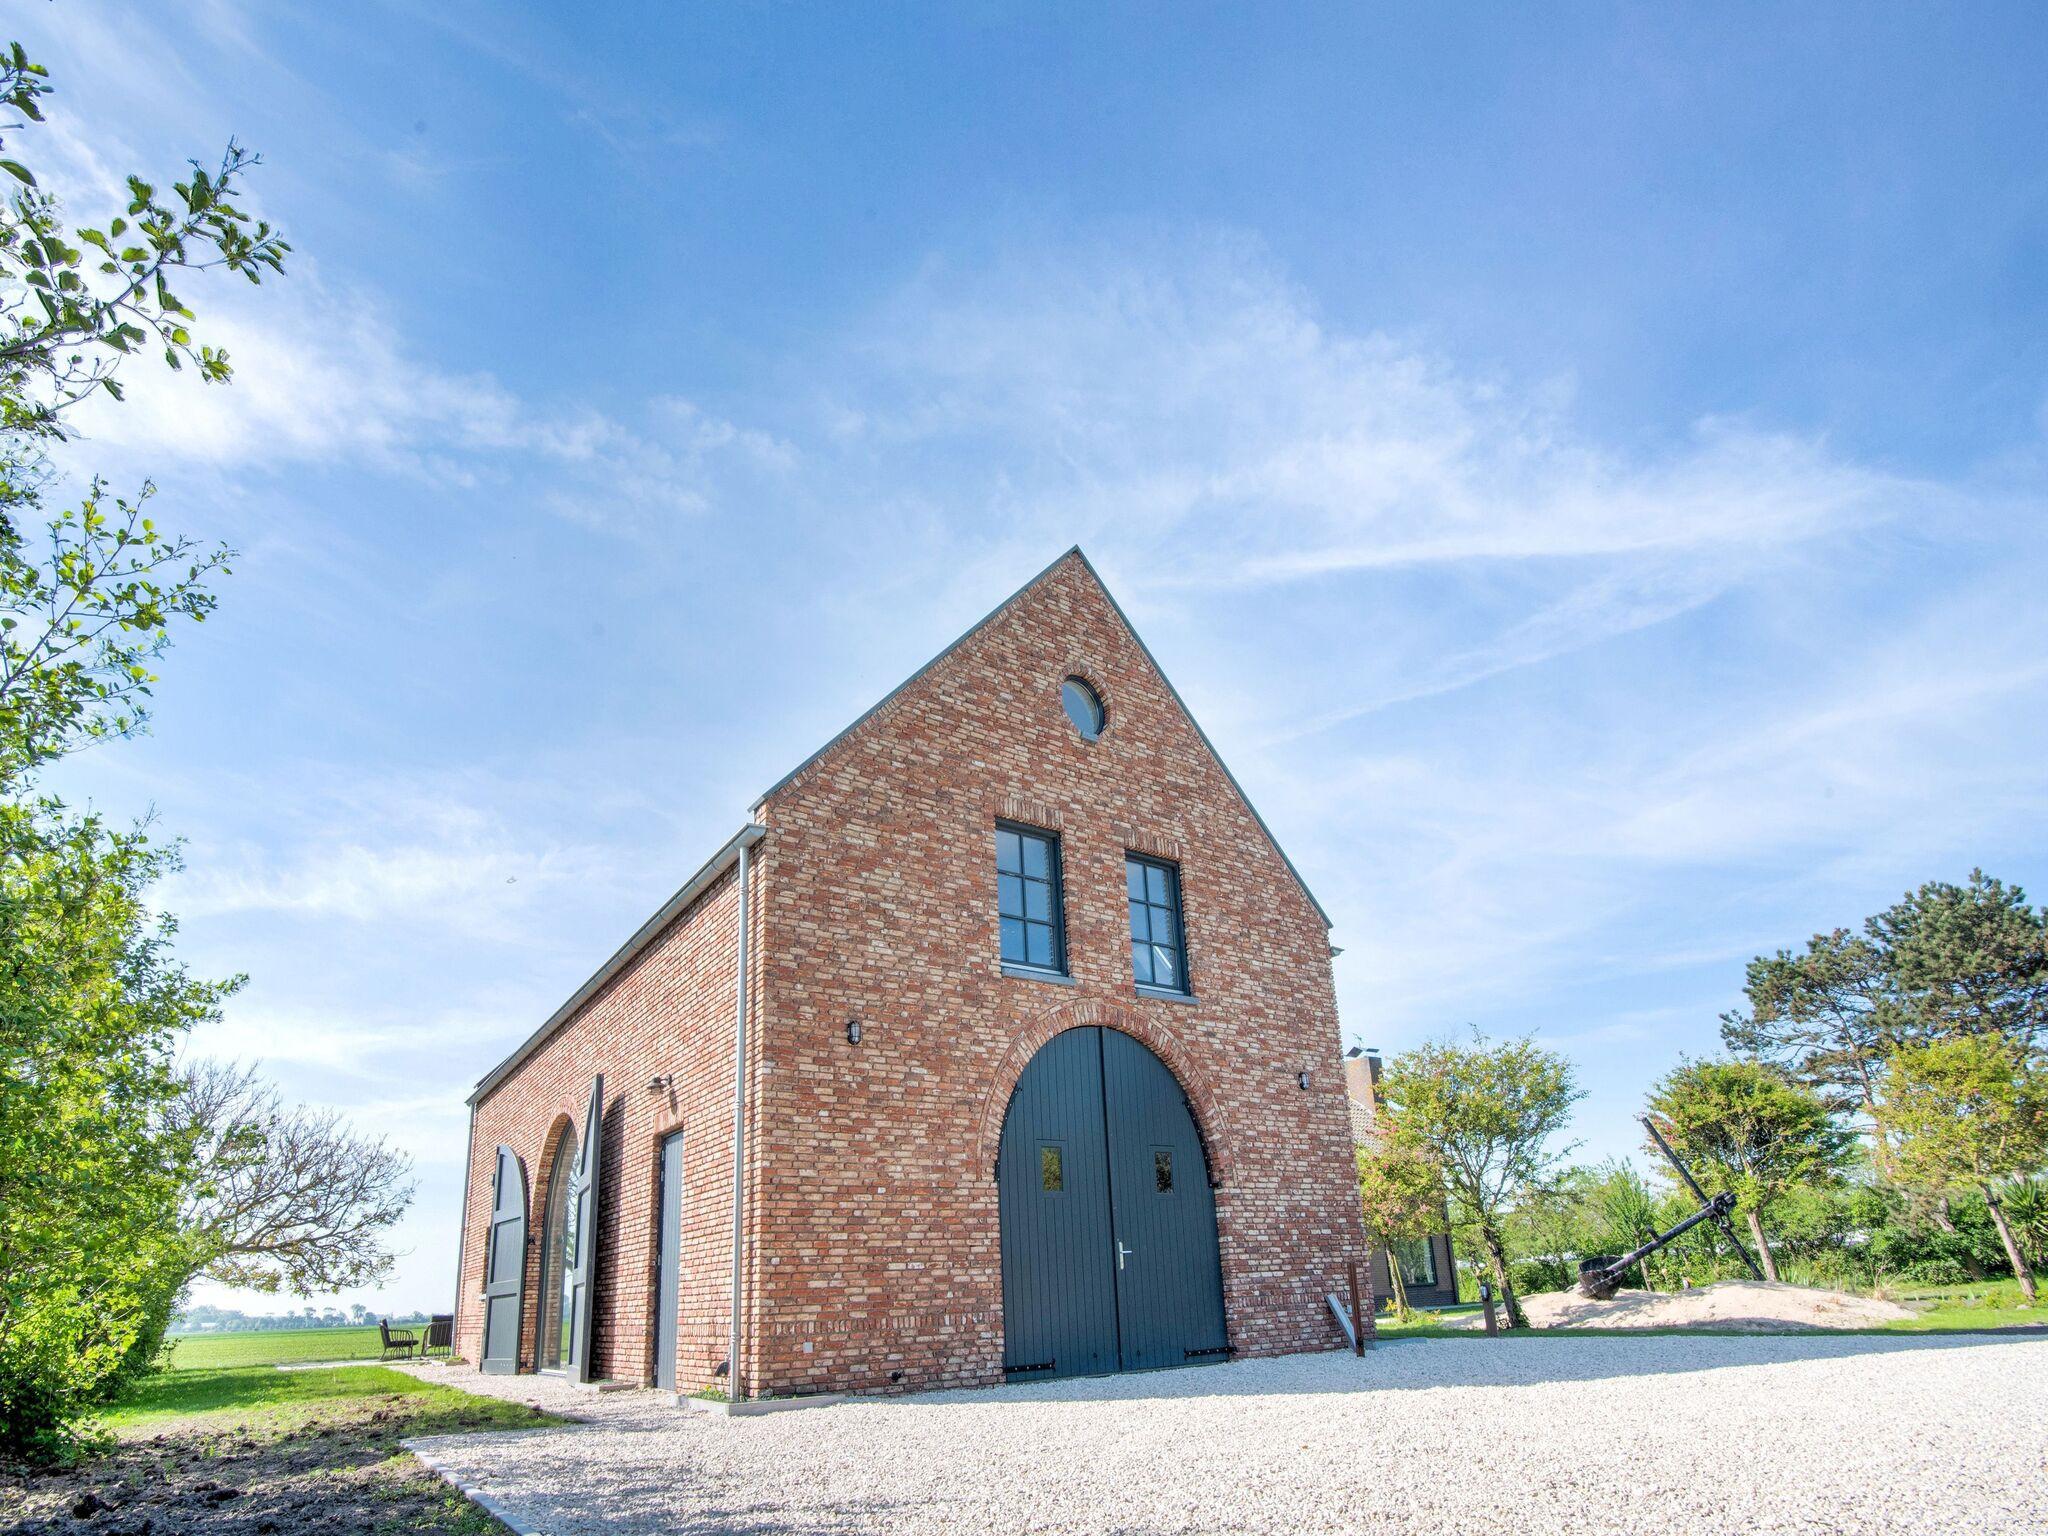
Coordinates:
[1362,1075]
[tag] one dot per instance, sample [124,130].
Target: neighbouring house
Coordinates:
[1016,1024]
[1429,1274]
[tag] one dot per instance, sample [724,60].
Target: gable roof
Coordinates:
[1074,553]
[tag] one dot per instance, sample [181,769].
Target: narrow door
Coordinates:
[582,1242]
[1059,1292]
[505,1266]
[1169,1281]
[667,1294]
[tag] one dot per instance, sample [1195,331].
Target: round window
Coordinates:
[1083,706]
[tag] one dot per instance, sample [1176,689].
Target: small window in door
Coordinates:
[1052,1170]
[1162,1170]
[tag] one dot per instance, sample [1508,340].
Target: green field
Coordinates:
[211,1351]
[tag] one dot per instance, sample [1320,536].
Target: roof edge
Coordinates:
[890,697]
[1131,629]
[1204,735]
[644,935]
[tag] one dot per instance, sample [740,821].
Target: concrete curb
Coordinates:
[490,1505]
[755,1407]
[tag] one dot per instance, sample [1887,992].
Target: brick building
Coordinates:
[1038,1063]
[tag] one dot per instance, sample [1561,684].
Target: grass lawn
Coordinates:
[201,1448]
[207,1351]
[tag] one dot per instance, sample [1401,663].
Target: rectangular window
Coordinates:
[1162,1170]
[1417,1259]
[1158,949]
[1052,1169]
[1028,898]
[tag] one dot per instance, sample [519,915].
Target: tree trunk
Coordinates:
[1943,1220]
[1400,1289]
[1763,1246]
[1497,1258]
[2020,1268]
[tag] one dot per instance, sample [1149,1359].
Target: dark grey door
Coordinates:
[583,1192]
[1059,1291]
[1169,1278]
[505,1266]
[669,1255]
[1109,1247]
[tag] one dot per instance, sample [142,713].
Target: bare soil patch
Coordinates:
[1743,1305]
[336,1468]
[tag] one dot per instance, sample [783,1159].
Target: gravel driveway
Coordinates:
[1447,1437]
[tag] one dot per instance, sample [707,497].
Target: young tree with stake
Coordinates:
[1485,1114]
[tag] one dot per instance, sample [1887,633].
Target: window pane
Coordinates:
[1134,879]
[1038,900]
[1155,885]
[1141,963]
[1165,966]
[1035,860]
[1038,943]
[1013,940]
[1082,707]
[1162,1170]
[1052,1173]
[1007,856]
[1416,1258]
[1140,928]
[1010,895]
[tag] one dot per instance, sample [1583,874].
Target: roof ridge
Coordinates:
[1073,551]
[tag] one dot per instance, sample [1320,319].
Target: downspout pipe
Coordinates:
[735,1387]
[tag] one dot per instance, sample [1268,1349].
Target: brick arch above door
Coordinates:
[1180,1057]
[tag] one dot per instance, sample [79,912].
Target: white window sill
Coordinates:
[1165,994]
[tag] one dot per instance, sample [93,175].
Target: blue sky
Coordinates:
[1584,467]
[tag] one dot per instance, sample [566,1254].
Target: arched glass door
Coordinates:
[558,1256]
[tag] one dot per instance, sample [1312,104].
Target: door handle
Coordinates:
[1122,1253]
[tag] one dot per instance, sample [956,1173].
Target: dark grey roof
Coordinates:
[644,935]
[981,624]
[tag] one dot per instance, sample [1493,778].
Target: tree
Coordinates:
[282,1199]
[92,1001]
[1942,959]
[1485,1113]
[1747,1129]
[91,1006]
[1970,1111]
[1401,1194]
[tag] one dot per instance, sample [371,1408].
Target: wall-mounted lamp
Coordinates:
[1303,1080]
[661,1082]
[853,1031]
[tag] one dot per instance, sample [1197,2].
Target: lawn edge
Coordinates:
[496,1508]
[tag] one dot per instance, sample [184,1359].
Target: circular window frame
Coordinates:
[1094,696]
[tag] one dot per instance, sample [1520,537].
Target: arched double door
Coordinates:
[1109,1250]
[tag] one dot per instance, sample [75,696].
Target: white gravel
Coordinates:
[1448,1437]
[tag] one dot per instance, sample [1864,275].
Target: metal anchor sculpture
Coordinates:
[1601,1276]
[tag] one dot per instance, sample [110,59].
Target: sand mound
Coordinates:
[1724,1304]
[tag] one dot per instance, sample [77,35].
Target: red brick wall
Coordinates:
[876,1214]
[874,1243]
[669,1012]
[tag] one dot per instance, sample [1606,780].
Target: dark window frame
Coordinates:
[1056,900]
[1185,986]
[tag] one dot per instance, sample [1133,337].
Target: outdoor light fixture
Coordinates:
[1304,1080]
[853,1031]
[661,1082]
